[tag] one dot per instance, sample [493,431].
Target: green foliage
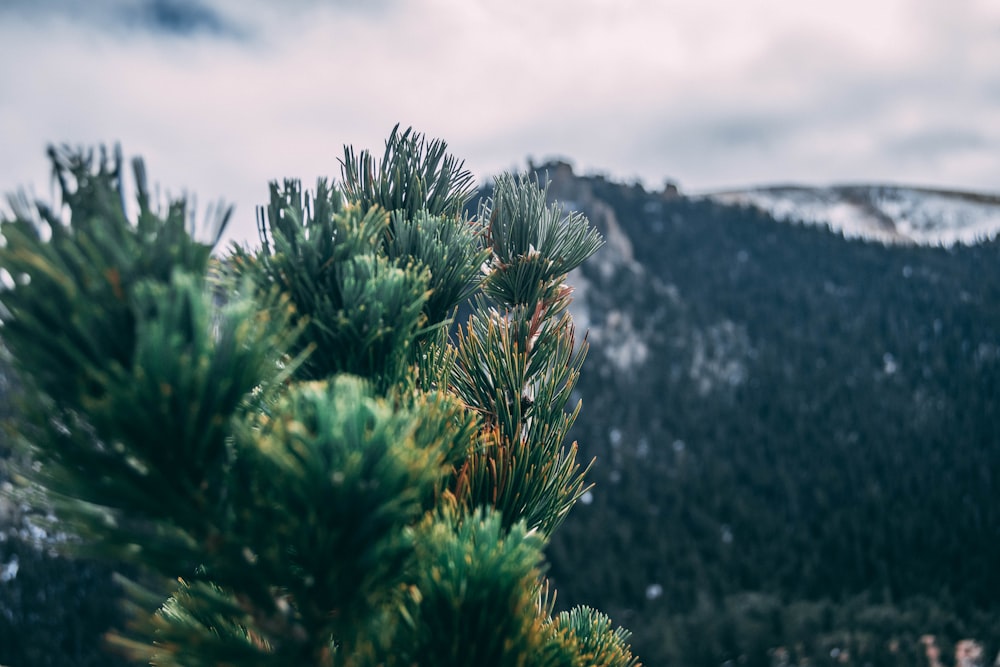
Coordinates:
[517,360]
[333,470]
[414,176]
[519,372]
[357,307]
[530,259]
[448,248]
[598,640]
[478,592]
[300,464]
[70,314]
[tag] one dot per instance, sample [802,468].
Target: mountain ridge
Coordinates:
[893,213]
[887,213]
[794,431]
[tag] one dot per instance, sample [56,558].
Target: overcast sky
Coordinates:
[221,96]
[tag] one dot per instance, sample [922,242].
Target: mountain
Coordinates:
[887,213]
[796,433]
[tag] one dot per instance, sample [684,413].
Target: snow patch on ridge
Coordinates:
[616,336]
[890,214]
[718,356]
[620,341]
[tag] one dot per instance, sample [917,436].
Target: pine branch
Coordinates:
[478,593]
[414,176]
[599,642]
[518,372]
[534,244]
[362,314]
[287,441]
[450,248]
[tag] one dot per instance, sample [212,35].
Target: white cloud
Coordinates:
[714,93]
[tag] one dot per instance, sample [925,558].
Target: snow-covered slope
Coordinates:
[887,213]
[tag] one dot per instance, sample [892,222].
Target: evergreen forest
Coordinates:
[804,464]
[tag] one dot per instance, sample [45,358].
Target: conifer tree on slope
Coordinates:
[302,464]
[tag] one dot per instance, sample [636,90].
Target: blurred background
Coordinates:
[221,96]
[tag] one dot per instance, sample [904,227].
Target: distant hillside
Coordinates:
[797,435]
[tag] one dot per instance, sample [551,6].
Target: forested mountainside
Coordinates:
[797,436]
[796,440]
[53,610]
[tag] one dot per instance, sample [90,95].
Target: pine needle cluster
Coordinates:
[303,454]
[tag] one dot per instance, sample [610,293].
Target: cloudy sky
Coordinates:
[221,96]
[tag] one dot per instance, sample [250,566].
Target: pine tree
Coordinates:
[308,461]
